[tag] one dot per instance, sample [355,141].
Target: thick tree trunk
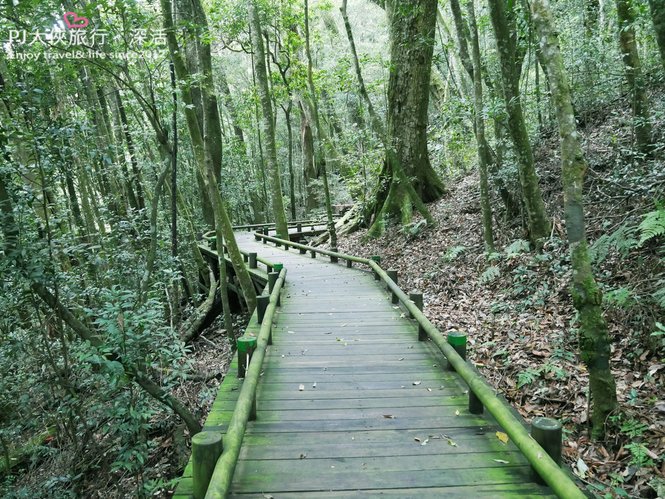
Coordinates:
[268,120]
[633,73]
[484,158]
[412,25]
[395,194]
[658,17]
[587,298]
[539,225]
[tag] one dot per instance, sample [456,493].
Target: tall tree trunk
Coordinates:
[396,190]
[136,172]
[633,73]
[484,158]
[308,164]
[587,298]
[538,223]
[204,161]
[268,123]
[412,28]
[657,8]
[326,149]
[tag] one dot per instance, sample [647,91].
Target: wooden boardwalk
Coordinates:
[351,404]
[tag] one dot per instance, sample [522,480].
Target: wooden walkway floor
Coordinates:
[351,404]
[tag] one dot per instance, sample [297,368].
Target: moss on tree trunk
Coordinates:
[587,298]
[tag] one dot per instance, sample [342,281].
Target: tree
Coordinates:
[657,8]
[400,193]
[411,48]
[268,119]
[587,297]
[325,146]
[203,152]
[484,158]
[633,73]
[511,60]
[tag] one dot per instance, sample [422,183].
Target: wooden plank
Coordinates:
[299,479]
[516,490]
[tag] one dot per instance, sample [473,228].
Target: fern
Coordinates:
[527,377]
[653,225]
[519,246]
[453,252]
[622,240]
[620,297]
[659,294]
[491,274]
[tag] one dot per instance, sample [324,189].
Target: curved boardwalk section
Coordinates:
[351,404]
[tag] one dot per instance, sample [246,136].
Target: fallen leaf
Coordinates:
[313,385]
[501,461]
[502,437]
[389,416]
[417,439]
[580,468]
[303,456]
[451,443]
[416,383]
[291,332]
[301,388]
[457,412]
[424,442]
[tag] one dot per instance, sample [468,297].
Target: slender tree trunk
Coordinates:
[268,123]
[204,161]
[633,74]
[587,297]
[484,158]
[325,145]
[657,8]
[308,164]
[292,175]
[136,172]
[538,223]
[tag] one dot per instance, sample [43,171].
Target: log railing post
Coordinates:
[261,306]
[246,346]
[206,449]
[252,260]
[393,277]
[417,299]
[547,432]
[377,259]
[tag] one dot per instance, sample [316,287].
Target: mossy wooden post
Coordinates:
[268,268]
[393,276]
[312,253]
[302,251]
[272,279]
[547,432]
[333,259]
[298,227]
[349,264]
[417,299]
[257,237]
[278,269]
[206,449]
[246,347]
[377,259]
[261,306]
[457,340]
[252,260]
[245,257]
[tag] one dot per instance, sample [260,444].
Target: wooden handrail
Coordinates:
[549,470]
[220,482]
[335,254]
[289,224]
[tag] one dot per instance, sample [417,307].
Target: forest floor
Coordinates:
[519,316]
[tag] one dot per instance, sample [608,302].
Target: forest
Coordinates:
[505,156]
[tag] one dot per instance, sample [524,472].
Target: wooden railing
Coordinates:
[271,225]
[481,394]
[217,481]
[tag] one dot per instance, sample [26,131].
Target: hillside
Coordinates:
[516,308]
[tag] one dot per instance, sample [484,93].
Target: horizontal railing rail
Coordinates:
[480,392]
[245,409]
[251,258]
[294,223]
